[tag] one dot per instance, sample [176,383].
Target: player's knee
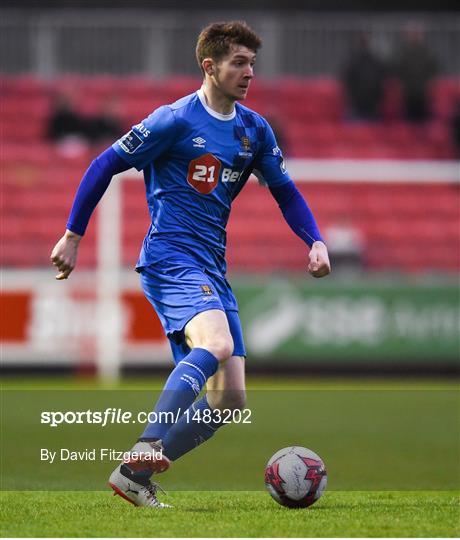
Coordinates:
[220,346]
[233,400]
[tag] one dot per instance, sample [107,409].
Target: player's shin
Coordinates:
[180,391]
[195,427]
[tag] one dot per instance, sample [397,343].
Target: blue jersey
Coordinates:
[195,162]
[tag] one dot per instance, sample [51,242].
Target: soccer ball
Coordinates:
[295,477]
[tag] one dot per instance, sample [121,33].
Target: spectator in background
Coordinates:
[74,132]
[364,79]
[415,66]
[65,122]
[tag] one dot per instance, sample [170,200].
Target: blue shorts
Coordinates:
[178,291]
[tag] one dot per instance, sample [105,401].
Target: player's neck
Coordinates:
[216,100]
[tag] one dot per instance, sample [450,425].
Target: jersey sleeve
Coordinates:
[269,166]
[149,139]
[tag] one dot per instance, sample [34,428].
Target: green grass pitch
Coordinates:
[231,514]
[391,448]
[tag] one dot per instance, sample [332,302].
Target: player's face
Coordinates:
[234,72]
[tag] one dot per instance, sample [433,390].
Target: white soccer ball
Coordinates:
[295,477]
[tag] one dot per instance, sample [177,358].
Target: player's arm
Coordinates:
[302,221]
[269,167]
[92,187]
[146,141]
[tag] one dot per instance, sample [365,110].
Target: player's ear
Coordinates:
[208,66]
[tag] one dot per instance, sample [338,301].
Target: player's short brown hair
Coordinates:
[216,39]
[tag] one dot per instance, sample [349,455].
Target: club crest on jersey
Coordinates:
[246,143]
[199,142]
[130,142]
[246,152]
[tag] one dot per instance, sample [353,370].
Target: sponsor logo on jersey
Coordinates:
[199,142]
[277,152]
[203,173]
[143,130]
[130,142]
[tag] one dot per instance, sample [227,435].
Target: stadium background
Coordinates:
[388,188]
[389,310]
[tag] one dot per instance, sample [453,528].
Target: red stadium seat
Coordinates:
[445,96]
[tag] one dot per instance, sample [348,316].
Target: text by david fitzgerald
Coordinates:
[97,454]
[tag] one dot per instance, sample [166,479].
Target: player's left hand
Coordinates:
[319,260]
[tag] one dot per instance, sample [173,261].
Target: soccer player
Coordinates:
[196,156]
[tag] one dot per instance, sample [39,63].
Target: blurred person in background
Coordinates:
[74,132]
[67,128]
[364,77]
[196,155]
[415,66]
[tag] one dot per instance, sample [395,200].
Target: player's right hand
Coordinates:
[64,254]
[319,260]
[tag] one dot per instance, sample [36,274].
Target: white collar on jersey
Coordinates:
[212,112]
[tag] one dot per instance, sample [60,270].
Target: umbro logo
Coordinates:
[199,142]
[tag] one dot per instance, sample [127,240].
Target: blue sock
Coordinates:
[180,391]
[187,434]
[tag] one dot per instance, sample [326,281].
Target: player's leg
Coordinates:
[208,336]
[179,295]
[225,390]
[186,300]
[210,341]
[210,330]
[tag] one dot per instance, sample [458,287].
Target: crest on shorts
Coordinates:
[206,289]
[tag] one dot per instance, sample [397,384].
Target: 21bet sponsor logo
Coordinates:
[204,171]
